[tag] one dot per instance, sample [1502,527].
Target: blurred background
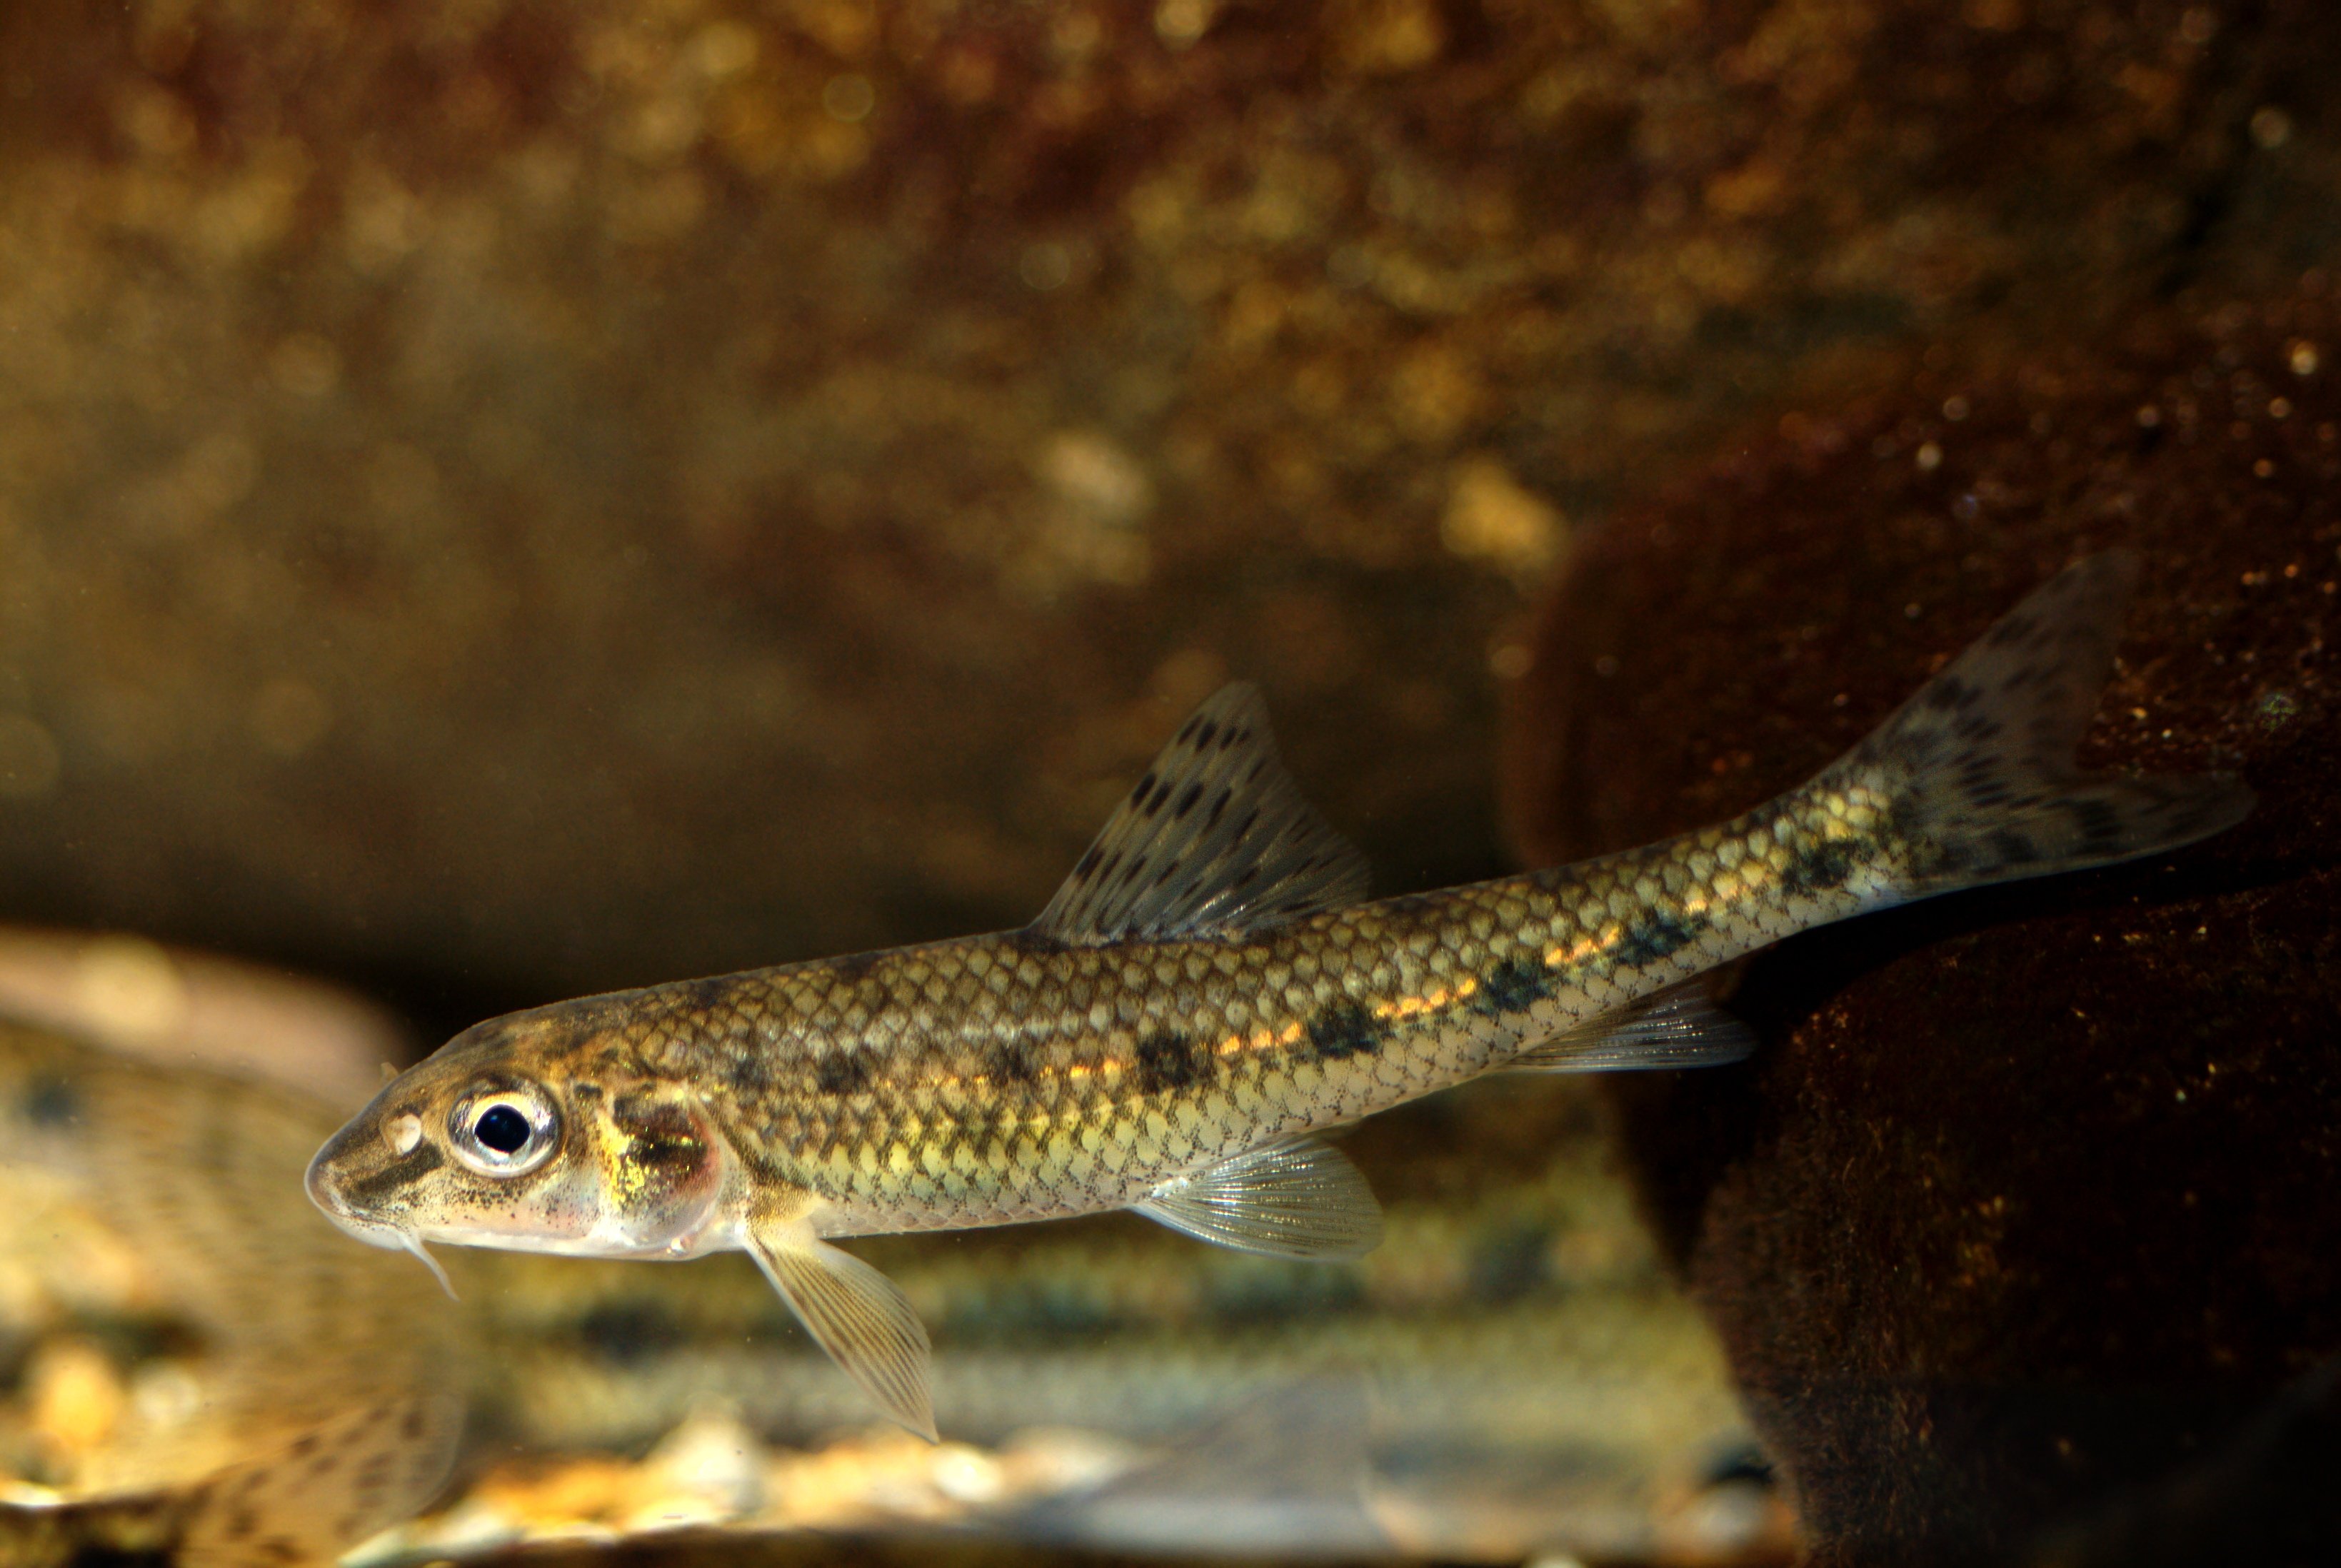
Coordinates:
[501,501]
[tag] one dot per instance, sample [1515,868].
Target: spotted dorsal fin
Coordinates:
[1214,841]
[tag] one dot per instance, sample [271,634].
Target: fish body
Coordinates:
[1207,992]
[277,1395]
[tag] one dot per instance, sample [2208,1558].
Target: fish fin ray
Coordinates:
[860,1317]
[1980,763]
[1216,841]
[1297,1197]
[1680,1026]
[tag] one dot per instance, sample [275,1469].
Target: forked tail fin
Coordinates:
[1978,765]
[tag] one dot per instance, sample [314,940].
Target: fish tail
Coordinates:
[1977,770]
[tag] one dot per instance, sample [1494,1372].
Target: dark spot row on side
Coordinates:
[1820,865]
[1659,934]
[1013,1061]
[1343,1029]
[1167,1061]
[843,1072]
[1513,986]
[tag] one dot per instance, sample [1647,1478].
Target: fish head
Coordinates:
[512,1136]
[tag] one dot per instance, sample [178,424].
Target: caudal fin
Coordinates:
[1979,764]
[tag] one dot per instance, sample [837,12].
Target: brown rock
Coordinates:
[2031,1195]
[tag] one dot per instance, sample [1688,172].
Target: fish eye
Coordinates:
[503,1132]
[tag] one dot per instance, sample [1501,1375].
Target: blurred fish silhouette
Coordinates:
[215,1379]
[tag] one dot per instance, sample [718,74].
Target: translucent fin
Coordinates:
[1680,1026]
[1980,762]
[1215,840]
[1295,1198]
[355,1472]
[857,1315]
[413,1244]
[1286,1474]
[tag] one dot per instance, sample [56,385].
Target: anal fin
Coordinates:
[858,1316]
[1680,1026]
[1299,1198]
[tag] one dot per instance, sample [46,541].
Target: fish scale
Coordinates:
[1206,992]
[990,1096]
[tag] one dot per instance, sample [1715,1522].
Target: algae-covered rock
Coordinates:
[2031,1194]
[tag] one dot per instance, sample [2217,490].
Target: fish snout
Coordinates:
[338,1181]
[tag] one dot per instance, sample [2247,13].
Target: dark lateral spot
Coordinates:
[1659,934]
[841,1072]
[1343,1029]
[1167,1061]
[1513,986]
[51,1103]
[1817,866]
[1013,1061]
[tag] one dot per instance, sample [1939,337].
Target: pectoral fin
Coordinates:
[1680,1026]
[1296,1199]
[858,1316]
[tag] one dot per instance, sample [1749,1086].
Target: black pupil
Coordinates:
[501,1128]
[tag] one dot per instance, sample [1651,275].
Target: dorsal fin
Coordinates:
[1214,841]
